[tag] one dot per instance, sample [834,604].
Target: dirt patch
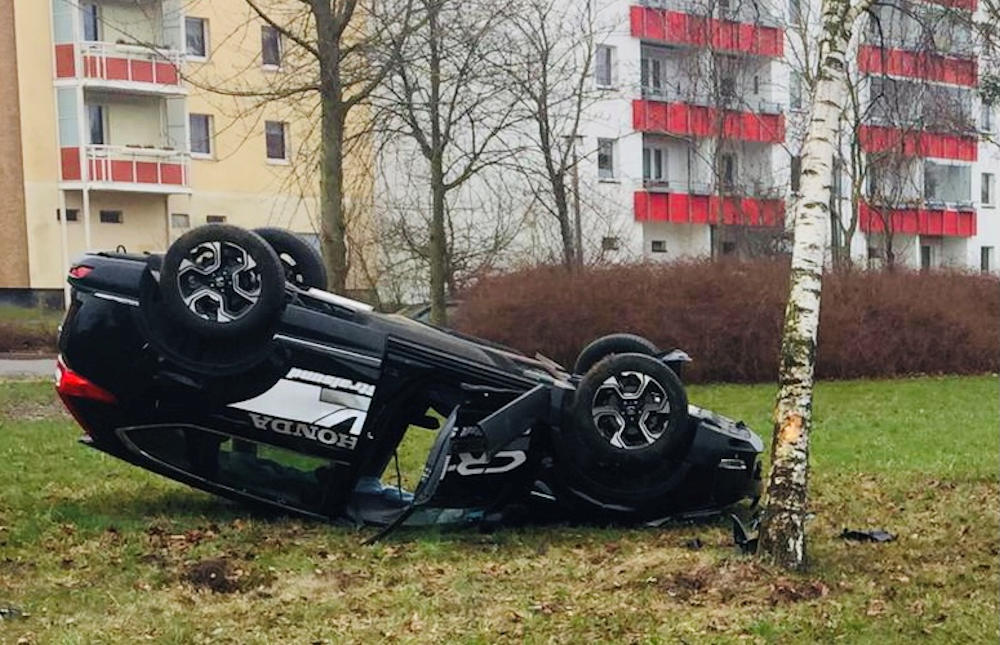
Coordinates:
[739,582]
[222,575]
[786,590]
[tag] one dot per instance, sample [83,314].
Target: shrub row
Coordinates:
[728,316]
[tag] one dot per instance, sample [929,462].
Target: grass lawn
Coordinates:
[93,550]
[30,330]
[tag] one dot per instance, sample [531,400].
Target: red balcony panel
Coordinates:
[70,163]
[877,138]
[166,74]
[683,208]
[172,173]
[96,172]
[968,5]
[142,71]
[702,121]
[686,29]
[145,172]
[917,221]
[65,61]
[115,69]
[923,65]
[122,171]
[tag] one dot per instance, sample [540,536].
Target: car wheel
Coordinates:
[612,344]
[222,281]
[302,264]
[631,408]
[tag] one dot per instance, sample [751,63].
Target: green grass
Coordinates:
[93,550]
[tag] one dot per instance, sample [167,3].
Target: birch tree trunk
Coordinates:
[782,533]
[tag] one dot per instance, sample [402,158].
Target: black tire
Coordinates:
[605,346]
[302,264]
[645,418]
[221,281]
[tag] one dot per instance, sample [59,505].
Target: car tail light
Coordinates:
[80,271]
[71,387]
[69,383]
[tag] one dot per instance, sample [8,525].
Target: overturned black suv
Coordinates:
[224,364]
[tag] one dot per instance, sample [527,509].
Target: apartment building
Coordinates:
[696,141]
[113,138]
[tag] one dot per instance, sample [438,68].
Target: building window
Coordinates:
[795,91]
[986,259]
[651,71]
[926,257]
[659,246]
[794,11]
[270,46]
[215,219]
[988,189]
[727,168]
[95,121]
[986,120]
[180,220]
[604,66]
[196,37]
[201,134]
[653,164]
[275,134]
[91,21]
[72,215]
[610,243]
[111,217]
[796,169]
[606,158]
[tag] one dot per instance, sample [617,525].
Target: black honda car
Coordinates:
[224,364]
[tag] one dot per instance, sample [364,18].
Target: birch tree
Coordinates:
[782,534]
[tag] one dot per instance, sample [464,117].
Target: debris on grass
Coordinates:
[873,535]
[10,612]
[221,575]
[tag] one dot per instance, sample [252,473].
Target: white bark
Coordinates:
[782,534]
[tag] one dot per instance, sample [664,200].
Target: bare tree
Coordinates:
[548,66]
[444,99]
[335,53]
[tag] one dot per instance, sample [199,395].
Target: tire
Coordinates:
[302,264]
[631,409]
[612,344]
[221,281]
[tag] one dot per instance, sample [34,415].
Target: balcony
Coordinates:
[685,27]
[120,66]
[914,143]
[923,65]
[689,119]
[698,204]
[128,168]
[923,219]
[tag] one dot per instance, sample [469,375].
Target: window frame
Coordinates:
[102,111]
[986,259]
[264,29]
[174,218]
[205,46]
[105,216]
[210,136]
[91,10]
[609,173]
[988,189]
[612,59]
[284,143]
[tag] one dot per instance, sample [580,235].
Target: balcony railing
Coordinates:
[683,207]
[755,189]
[915,143]
[914,64]
[926,219]
[688,119]
[740,12]
[669,95]
[728,34]
[120,63]
[129,167]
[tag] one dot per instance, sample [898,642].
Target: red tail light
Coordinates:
[71,384]
[80,271]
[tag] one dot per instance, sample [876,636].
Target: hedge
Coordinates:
[728,316]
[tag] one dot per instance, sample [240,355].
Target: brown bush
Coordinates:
[18,336]
[728,316]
